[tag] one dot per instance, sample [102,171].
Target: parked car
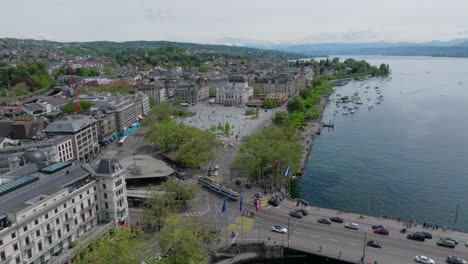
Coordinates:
[374,244]
[279,229]
[215,173]
[381,231]
[217,166]
[258,194]
[324,221]
[304,212]
[273,202]
[377,226]
[455,260]
[424,260]
[427,234]
[353,226]
[295,214]
[443,242]
[416,236]
[336,219]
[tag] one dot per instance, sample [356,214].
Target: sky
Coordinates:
[236,21]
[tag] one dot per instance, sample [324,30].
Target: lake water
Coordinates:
[408,156]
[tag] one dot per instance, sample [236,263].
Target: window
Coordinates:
[97,208]
[81,205]
[36,222]
[13,235]
[105,195]
[48,227]
[2,256]
[66,216]
[95,197]
[104,186]
[29,252]
[81,196]
[64,205]
[74,210]
[76,221]
[106,205]
[25,228]
[15,246]
[94,188]
[49,239]
[38,233]
[73,200]
[1,242]
[18,260]
[27,241]
[57,221]
[89,202]
[59,233]
[39,246]
[67,227]
[56,210]
[87,192]
[46,216]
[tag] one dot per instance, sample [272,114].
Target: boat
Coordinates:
[345,113]
[352,111]
[368,99]
[380,96]
[378,102]
[366,91]
[356,107]
[218,188]
[358,101]
[370,107]
[376,87]
[356,93]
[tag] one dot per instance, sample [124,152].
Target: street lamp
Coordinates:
[456,217]
[288,230]
[364,248]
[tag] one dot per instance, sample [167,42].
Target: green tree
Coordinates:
[204,68]
[306,92]
[269,103]
[178,100]
[220,127]
[159,112]
[295,104]
[69,107]
[281,119]
[212,92]
[197,150]
[185,241]
[227,128]
[257,90]
[177,190]
[109,70]
[19,89]
[157,207]
[119,245]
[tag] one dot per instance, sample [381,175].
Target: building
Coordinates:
[281,83]
[47,208]
[155,90]
[22,127]
[190,92]
[56,149]
[83,132]
[236,91]
[106,125]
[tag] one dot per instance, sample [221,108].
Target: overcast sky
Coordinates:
[223,21]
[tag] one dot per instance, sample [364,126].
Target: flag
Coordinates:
[257,205]
[240,206]
[224,207]
[276,164]
[287,171]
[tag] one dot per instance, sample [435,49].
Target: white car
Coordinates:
[424,260]
[279,229]
[217,166]
[215,173]
[353,226]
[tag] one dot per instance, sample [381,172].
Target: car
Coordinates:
[324,221]
[215,173]
[279,229]
[377,226]
[451,239]
[427,234]
[258,194]
[304,212]
[295,214]
[443,242]
[353,226]
[273,202]
[336,219]
[217,166]
[455,260]
[424,260]
[416,236]
[374,244]
[381,231]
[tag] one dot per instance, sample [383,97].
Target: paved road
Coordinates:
[330,240]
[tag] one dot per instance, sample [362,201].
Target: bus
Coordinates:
[122,140]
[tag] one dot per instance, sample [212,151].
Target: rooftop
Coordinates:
[72,123]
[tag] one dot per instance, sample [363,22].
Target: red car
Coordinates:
[381,231]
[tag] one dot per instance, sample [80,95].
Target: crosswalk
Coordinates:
[237,224]
[199,213]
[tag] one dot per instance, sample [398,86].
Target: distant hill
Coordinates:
[109,47]
[452,48]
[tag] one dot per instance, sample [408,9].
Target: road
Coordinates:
[332,240]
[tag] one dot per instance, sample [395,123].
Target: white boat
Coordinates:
[356,107]
[352,111]
[345,113]
[356,93]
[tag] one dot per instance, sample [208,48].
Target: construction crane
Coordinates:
[76,90]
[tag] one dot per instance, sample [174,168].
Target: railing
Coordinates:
[68,255]
[7,260]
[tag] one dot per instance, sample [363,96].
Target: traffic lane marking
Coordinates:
[394,252]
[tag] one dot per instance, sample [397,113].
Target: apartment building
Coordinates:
[46,209]
[83,132]
[56,148]
[155,90]
[190,92]
[236,91]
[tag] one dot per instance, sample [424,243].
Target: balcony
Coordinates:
[7,260]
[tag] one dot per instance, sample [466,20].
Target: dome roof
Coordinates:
[33,156]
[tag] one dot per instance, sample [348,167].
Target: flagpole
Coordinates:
[242,227]
[216,217]
[225,222]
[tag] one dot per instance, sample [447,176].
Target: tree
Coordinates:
[227,128]
[69,107]
[296,104]
[178,100]
[19,89]
[119,245]
[304,93]
[185,241]
[220,127]
[204,68]
[281,119]
[159,112]
[197,150]
[176,190]
[257,90]
[269,103]
[212,92]
[157,207]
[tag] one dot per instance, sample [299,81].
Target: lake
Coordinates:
[408,156]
